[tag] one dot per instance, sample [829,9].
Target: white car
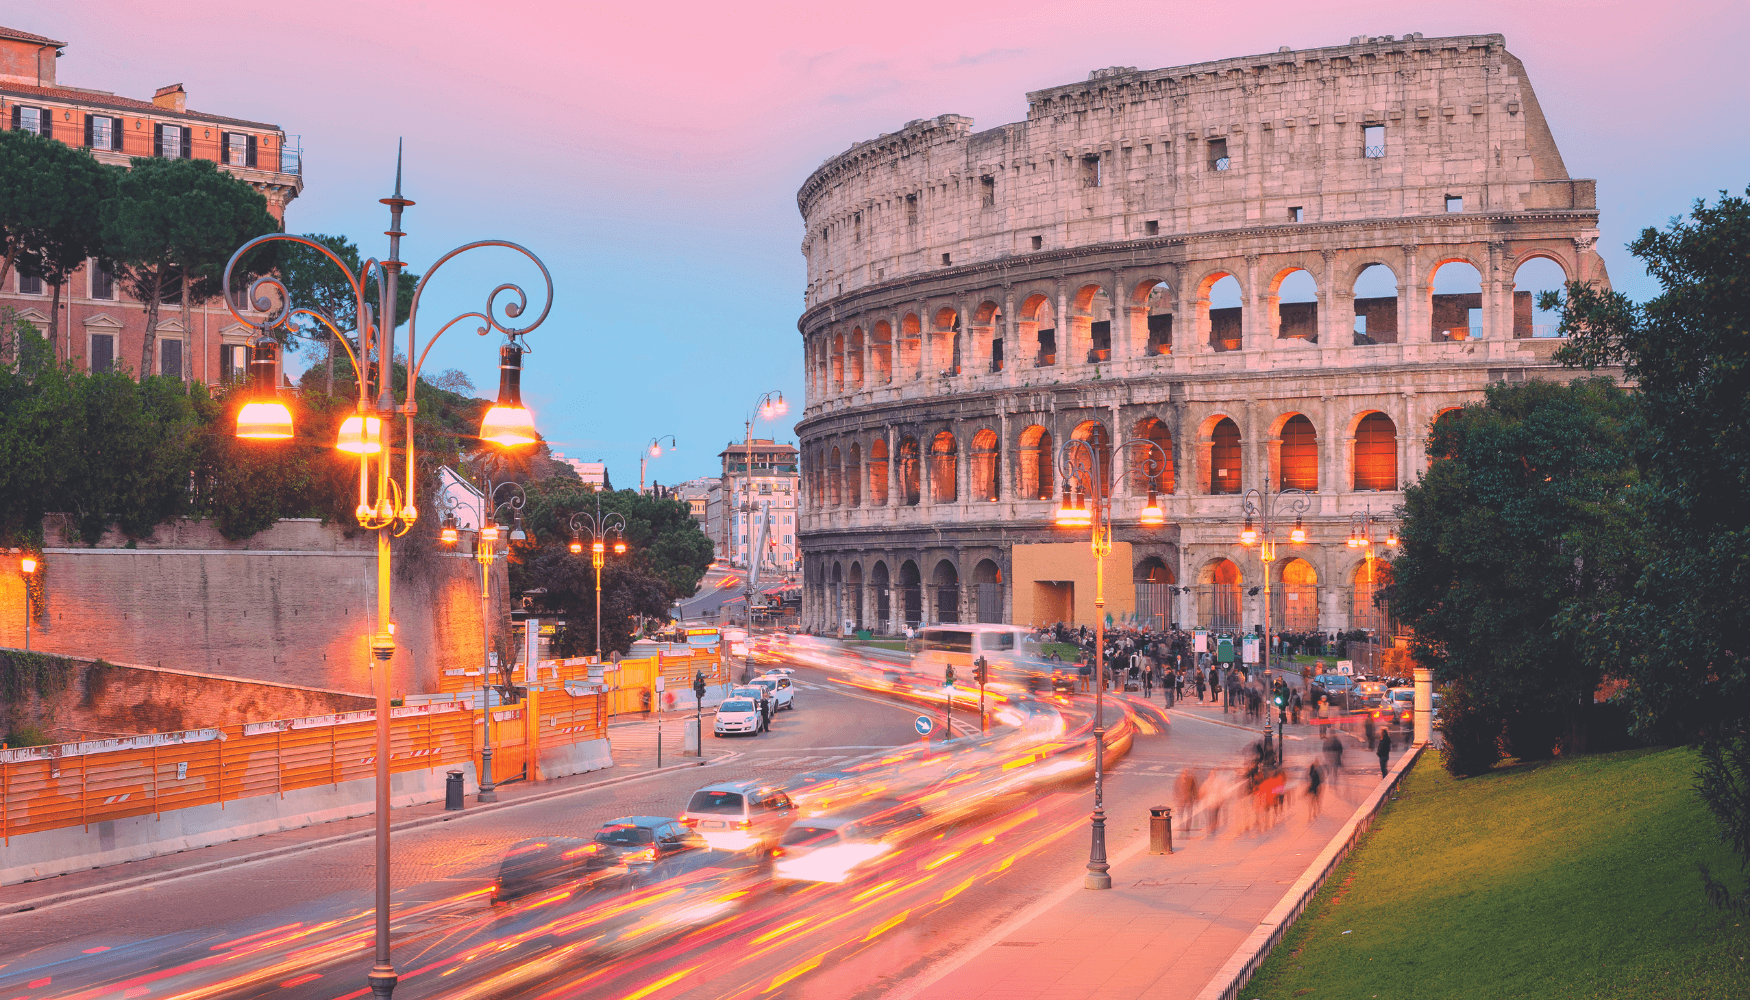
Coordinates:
[839,848]
[779,672]
[780,690]
[737,715]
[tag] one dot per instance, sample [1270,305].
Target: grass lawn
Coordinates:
[898,644]
[1550,880]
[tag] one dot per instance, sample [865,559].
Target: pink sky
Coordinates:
[650,153]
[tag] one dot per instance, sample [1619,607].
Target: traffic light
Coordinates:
[980,671]
[1279,693]
[948,677]
[699,684]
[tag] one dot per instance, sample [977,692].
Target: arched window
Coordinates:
[1376,305]
[1100,442]
[1224,458]
[944,464]
[910,474]
[878,473]
[1037,464]
[1151,471]
[1226,314]
[854,594]
[883,598]
[984,465]
[1376,453]
[1160,319]
[946,584]
[854,475]
[1218,596]
[911,593]
[1297,603]
[835,477]
[1457,302]
[987,581]
[1300,454]
[854,359]
[1297,307]
[881,353]
[1154,594]
[1537,275]
[838,362]
[1365,610]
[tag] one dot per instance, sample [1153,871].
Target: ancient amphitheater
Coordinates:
[1281,268]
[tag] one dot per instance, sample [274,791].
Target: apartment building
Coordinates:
[769,488]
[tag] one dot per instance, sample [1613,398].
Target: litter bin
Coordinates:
[1160,830]
[453,792]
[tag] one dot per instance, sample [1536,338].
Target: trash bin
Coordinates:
[453,791]
[1160,830]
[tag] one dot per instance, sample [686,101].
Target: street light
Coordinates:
[1268,509]
[1091,508]
[1361,537]
[769,406]
[27,565]
[654,450]
[485,551]
[386,505]
[599,526]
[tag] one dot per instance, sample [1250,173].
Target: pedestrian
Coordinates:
[1197,676]
[1334,751]
[1367,727]
[1294,707]
[1384,750]
[1315,781]
[1187,797]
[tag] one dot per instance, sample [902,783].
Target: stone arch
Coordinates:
[1368,582]
[1220,446]
[910,471]
[1545,272]
[944,468]
[883,594]
[910,347]
[1294,450]
[881,353]
[1090,325]
[1152,304]
[854,359]
[945,587]
[987,584]
[987,349]
[1039,331]
[1036,464]
[1373,287]
[1154,569]
[1155,584]
[1374,447]
[835,473]
[985,465]
[945,341]
[1457,312]
[911,586]
[1151,471]
[1218,594]
[1220,324]
[1293,306]
[1297,607]
[838,362]
[1099,442]
[854,475]
[878,471]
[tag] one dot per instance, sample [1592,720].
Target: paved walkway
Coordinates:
[1169,924]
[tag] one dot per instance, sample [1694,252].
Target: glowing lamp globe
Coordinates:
[1249,536]
[489,534]
[1298,535]
[619,548]
[27,564]
[509,424]
[360,435]
[597,547]
[449,534]
[1152,514]
[264,421]
[576,546]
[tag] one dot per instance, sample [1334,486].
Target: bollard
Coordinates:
[1160,830]
[453,792]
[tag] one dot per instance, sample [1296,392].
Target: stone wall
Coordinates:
[291,605]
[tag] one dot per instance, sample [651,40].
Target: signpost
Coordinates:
[923,726]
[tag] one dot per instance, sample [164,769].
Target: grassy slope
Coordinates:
[1561,879]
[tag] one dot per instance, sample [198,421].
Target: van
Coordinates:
[740,815]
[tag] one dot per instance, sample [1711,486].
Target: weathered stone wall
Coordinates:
[291,605]
[72,699]
[975,300]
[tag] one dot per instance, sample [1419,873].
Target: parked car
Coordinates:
[779,690]
[1403,703]
[740,815]
[837,848]
[737,715]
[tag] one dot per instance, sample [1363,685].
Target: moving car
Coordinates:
[544,864]
[1403,703]
[647,848]
[740,815]
[837,848]
[737,715]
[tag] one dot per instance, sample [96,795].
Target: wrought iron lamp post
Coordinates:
[599,526]
[1264,511]
[1361,537]
[27,567]
[654,450]
[1089,507]
[387,505]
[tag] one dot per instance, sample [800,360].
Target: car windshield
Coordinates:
[810,836]
[624,835]
[735,706]
[765,683]
[726,803]
[1403,695]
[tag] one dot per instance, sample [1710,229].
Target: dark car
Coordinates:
[634,849]
[543,864]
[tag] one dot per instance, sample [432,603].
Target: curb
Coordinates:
[1238,969]
[41,902]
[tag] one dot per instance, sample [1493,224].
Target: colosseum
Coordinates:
[1279,268]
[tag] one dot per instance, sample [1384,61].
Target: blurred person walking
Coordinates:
[1315,783]
[1384,750]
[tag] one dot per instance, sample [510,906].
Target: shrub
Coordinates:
[1472,736]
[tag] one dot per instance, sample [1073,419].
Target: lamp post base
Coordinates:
[1099,872]
[488,791]
[382,980]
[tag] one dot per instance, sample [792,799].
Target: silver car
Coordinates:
[740,815]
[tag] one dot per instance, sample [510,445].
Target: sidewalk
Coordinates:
[1188,924]
[633,745]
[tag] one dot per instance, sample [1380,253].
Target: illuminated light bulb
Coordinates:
[1391,538]
[619,548]
[1298,535]
[597,547]
[449,533]
[1152,514]
[27,564]
[264,417]
[509,424]
[576,545]
[360,435]
[489,534]
[1249,535]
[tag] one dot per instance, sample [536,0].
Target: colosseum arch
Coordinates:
[1221,311]
[1038,332]
[882,590]
[1293,306]
[1455,299]
[881,353]
[854,475]
[910,348]
[838,362]
[944,468]
[1373,446]
[1296,602]
[1218,595]
[1533,273]
[835,479]
[1151,471]
[987,583]
[986,350]
[1090,325]
[1294,453]
[854,594]
[1035,464]
[1099,442]
[910,472]
[1152,304]
[1155,583]
[945,342]
[878,488]
[1221,463]
[854,359]
[985,465]
[1374,291]
[911,588]
[1367,581]
[945,592]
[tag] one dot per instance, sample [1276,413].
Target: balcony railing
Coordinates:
[1373,152]
[1219,163]
[292,155]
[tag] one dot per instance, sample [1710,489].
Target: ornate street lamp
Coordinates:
[769,406]
[386,505]
[654,450]
[1088,506]
[27,566]
[1361,537]
[1269,510]
[598,526]
[485,551]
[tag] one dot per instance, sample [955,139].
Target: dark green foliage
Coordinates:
[49,218]
[1471,735]
[1512,542]
[1724,785]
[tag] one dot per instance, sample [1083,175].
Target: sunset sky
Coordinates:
[651,153]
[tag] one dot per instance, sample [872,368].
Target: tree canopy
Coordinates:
[50,218]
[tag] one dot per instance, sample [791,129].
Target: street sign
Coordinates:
[1251,649]
[924,725]
[1199,641]
[661,684]
[1345,666]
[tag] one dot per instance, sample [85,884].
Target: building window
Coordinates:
[103,132]
[1151,228]
[1090,171]
[170,358]
[1296,214]
[1038,242]
[946,259]
[33,120]
[1218,154]
[239,149]
[29,284]
[102,355]
[911,209]
[988,189]
[1373,141]
[173,142]
[1455,203]
[102,278]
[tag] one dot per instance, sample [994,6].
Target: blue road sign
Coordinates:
[924,725]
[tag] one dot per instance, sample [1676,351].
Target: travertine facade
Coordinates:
[975,300]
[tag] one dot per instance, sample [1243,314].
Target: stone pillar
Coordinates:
[1005,456]
[1498,294]
[1182,463]
[1190,321]
[1012,358]
[1119,462]
[1331,472]
[1254,325]
[1583,255]
[1249,453]
[1332,331]
[1061,318]
[1413,325]
[927,368]
[1423,705]
[1410,438]
[1122,349]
